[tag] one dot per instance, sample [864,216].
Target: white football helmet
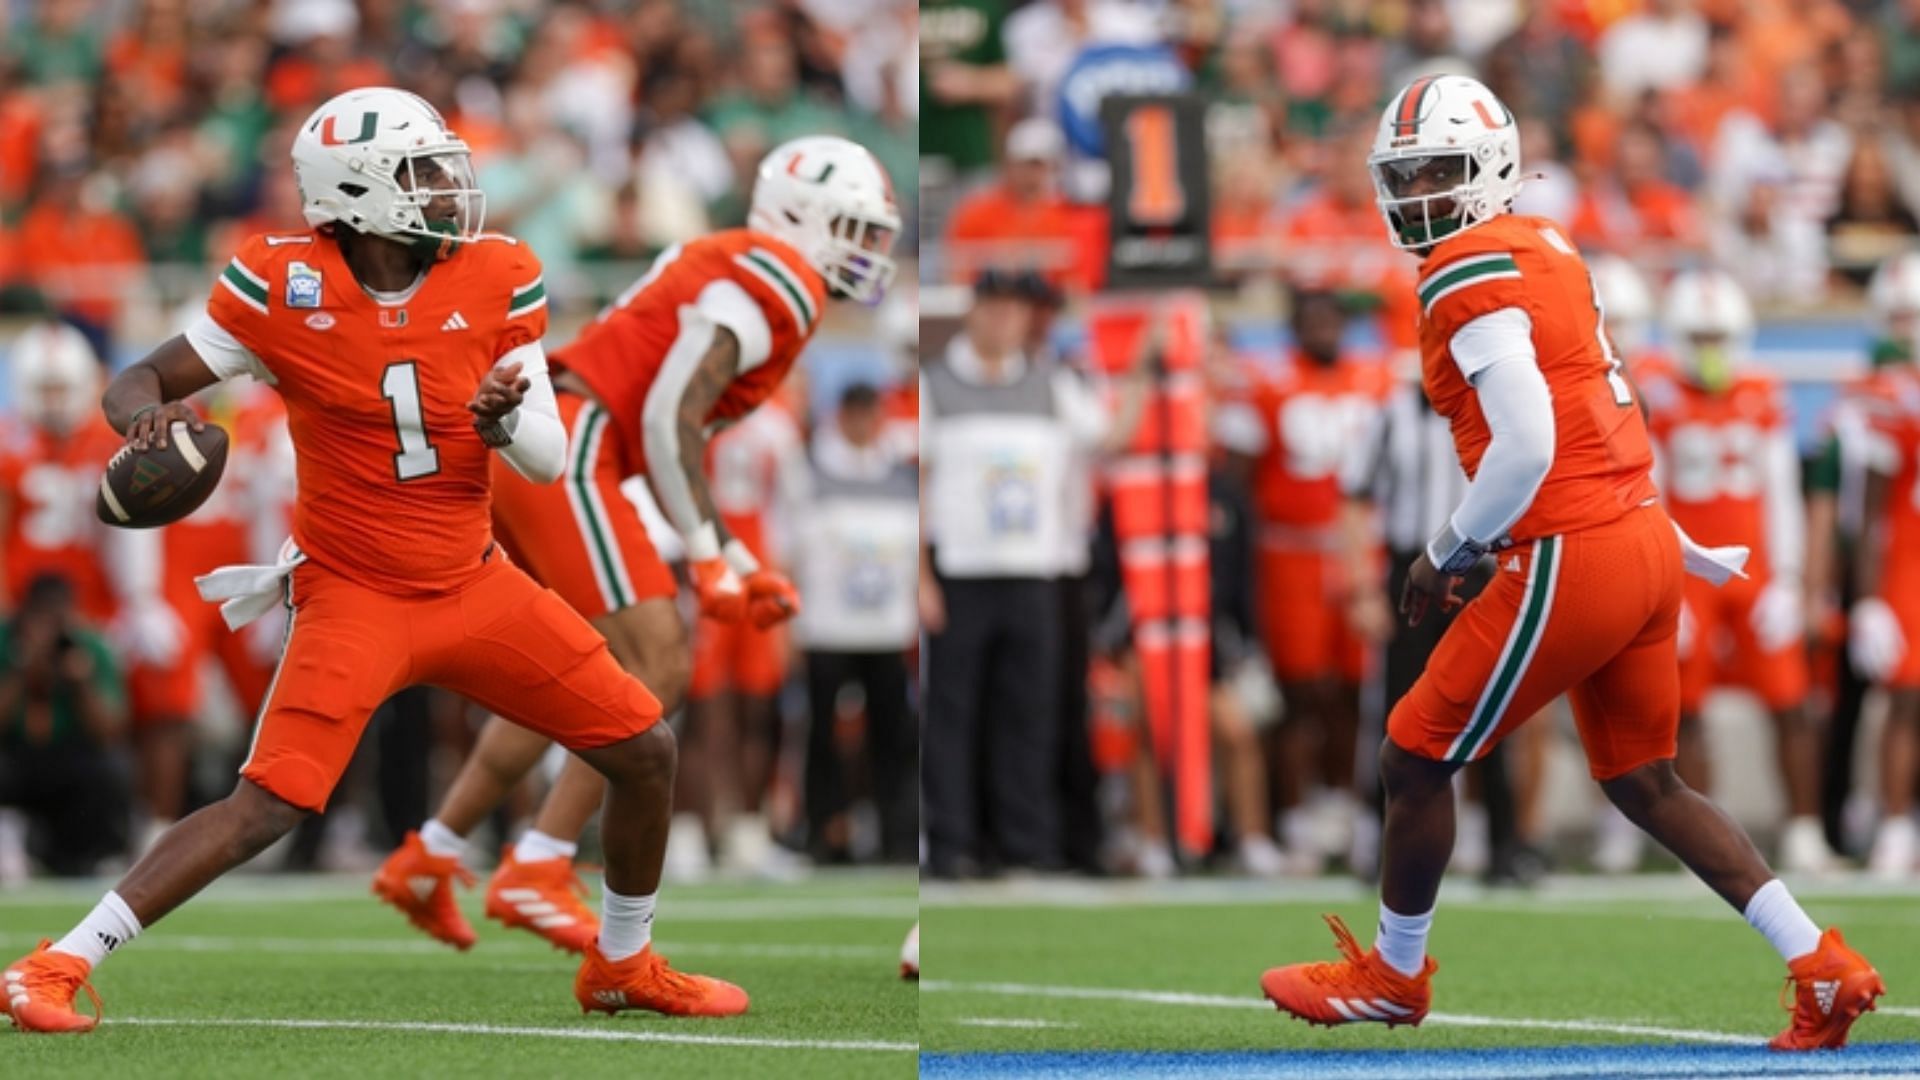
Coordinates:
[1710,323]
[1894,295]
[1625,301]
[831,199]
[56,377]
[1446,157]
[381,161]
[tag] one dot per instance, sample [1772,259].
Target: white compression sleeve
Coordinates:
[1786,515]
[539,447]
[660,432]
[1497,351]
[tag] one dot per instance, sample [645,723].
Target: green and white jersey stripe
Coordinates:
[527,298]
[767,266]
[1529,626]
[1462,273]
[590,511]
[250,287]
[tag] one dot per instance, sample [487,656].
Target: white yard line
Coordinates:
[1222,1001]
[1021,1023]
[583,1033]
[421,946]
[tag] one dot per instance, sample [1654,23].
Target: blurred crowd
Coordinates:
[1759,153]
[144,134]
[1777,137]
[140,140]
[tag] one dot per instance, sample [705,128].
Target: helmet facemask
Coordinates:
[1428,195]
[438,205]
[858,261]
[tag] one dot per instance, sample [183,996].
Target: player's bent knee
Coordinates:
[1638,791]
[647,758]
[1405,773]
[262,817]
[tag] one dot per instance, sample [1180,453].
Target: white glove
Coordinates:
[1874,641]
[1778,620]
[1689,631]
[150,632]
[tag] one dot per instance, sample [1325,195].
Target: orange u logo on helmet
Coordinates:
[369,123]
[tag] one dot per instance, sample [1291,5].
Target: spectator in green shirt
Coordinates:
[62,710]
[964,81]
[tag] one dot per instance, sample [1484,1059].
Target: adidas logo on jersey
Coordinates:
[454,322]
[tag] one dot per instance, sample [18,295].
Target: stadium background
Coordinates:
[1773,140]
[140,140]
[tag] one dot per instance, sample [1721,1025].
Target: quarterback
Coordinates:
[1588,588]
[406,345]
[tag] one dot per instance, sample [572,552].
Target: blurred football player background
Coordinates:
[141,139]
[1744,180]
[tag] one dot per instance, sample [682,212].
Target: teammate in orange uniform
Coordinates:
[1310,414]
[406,344]
[738,667]
[1883,628]
[1586,598]
[49,476]
[702,339]
[1729,472]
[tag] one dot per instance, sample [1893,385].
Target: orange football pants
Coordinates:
[1779,677]
[1592,614]
[502,641]
[580,537]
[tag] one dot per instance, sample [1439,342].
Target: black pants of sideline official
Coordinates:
[892,747]
[989,773]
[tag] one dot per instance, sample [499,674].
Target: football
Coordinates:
[147,489]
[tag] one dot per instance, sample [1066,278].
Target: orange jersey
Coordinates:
[1891,404]
[50,483]
[393,479]
[622,353]
[1602,459]
[1713,448]
[1311,416]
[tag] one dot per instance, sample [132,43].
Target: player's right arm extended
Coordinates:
[1495,352]
[143,401]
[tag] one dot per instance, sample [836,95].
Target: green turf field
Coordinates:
[1058,967]
[297,977]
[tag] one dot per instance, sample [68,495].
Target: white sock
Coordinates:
[1776,914]
[441,840]
[536,846]
[107,927]
[626,923]
[1402,941]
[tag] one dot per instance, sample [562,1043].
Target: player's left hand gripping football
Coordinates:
[1424,583]
[500,393]
[151,424]
[771,599]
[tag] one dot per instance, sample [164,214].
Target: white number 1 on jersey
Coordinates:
[417,457]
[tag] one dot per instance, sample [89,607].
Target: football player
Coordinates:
[49,474]
[1729,472]
[1309,415]
[1586,598]
[703,339]
[406,345]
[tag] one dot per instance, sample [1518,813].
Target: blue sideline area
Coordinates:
[1639,1062]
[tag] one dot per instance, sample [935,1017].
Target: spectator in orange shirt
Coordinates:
[79,252]
[1023,222]
[1637,207]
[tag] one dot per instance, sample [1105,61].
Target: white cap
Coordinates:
[1035,139]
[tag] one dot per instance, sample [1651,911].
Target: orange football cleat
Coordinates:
[420,884]
[1832,986]
[1360,988]
[40,988]
[546,897]
[644,981]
